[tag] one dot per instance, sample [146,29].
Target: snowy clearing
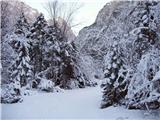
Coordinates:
[70,104]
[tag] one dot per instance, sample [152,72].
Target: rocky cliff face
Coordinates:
[115,23]
[11,10]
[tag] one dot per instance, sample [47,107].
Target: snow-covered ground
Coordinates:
[70,104]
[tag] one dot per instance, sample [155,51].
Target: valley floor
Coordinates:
[70,104]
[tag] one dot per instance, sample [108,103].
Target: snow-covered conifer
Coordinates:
[37,39]
[20,71]
[115,86]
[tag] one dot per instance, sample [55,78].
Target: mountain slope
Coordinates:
[113,23]
[131,31]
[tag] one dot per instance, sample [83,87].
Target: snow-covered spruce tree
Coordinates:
[144,88]
[59,61]
[20,70]
[43,54]
[51,56]
[70,72]
[37,38]
[22,26]
[115,85]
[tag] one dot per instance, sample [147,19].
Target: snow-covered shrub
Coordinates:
[46,85]
[143,91]
[9,94]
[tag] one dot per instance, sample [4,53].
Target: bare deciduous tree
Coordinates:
[62,13]
[52,9]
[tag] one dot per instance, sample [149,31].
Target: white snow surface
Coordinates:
[70,104]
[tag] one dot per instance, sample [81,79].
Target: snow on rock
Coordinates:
[134,27]
[157,76]
[9,95]
[118,21]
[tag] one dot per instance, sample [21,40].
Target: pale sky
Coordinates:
[85,15]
